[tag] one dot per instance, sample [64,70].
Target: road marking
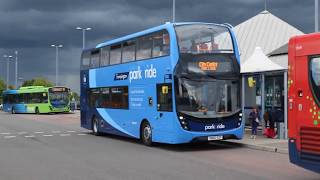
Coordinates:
[38,132]
[9,137]
[5,133]
[47,135]
[56,131]
[20,133]
[64,134]
[81,134]
[71,131]
[31,136]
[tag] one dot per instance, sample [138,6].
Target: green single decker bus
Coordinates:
[37,99]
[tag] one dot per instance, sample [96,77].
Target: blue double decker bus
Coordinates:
[175,83]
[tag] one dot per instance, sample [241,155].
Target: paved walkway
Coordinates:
[263,143]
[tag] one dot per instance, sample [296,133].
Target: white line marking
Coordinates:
[55,131]
[29,136]
[64,134]
[8,137]
[47,135]
[5,133]
[81,134]
[38,132]
[71,131]
[20,133]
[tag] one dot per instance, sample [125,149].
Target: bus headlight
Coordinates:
[183,122]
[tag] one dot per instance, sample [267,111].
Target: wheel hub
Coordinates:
[147,132]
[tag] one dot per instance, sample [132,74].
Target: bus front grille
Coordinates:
[310,144]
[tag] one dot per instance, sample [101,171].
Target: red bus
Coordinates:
[304,101]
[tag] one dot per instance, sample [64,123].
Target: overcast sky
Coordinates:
[31,26]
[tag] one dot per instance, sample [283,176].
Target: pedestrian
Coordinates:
[254,117]
[266,117]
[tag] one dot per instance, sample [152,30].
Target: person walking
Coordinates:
[254,117]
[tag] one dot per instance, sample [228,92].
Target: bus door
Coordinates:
[301,90]
[164,105]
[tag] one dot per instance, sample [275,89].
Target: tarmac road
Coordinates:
[54,147]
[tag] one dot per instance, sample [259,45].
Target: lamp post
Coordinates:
[316,15]
[83,35]
[57,61]
[16,70]
[174,11]
[8,59]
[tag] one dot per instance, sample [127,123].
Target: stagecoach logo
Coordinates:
[121,76]
[213,127]
[208,66]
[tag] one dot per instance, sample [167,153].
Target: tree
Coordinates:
[75,96]
[40,81]
[2,88]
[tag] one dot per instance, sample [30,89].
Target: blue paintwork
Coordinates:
[165,128]
[294,156]
[7,107]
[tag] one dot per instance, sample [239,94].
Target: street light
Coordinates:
[57,60]
[16,70]
[316,15]
[8,59]
[173,11]
[83,35]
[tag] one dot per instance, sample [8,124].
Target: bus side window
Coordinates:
[144,47]
[161,44]
[115,54]
[128,51]
[105,56]
[119,97]
[94,98]
[95,59]
[164,97]
[105,98]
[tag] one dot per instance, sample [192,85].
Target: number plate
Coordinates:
[214,138]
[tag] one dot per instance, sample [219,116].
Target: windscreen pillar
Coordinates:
[285,86]
[262,100]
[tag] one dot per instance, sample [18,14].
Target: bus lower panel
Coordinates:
[181,136]
[304,160]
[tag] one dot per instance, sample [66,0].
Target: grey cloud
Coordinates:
[32,25]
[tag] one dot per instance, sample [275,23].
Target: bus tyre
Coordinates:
[37,110]
[95,127]
[13,111]
[146,134]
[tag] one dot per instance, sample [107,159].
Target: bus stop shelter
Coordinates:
[259,65]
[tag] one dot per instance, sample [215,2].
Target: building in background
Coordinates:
[265,87]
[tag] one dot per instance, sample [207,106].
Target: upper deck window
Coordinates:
[104,56]
[128,51]
[315,76]
[204,38]
[161,44]
[144,47]
[115,54]
[95,59]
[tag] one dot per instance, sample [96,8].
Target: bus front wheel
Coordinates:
[146,134]
[95,127]
[37,110]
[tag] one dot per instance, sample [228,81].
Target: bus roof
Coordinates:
[30,87]
[154,29]
[11,91]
